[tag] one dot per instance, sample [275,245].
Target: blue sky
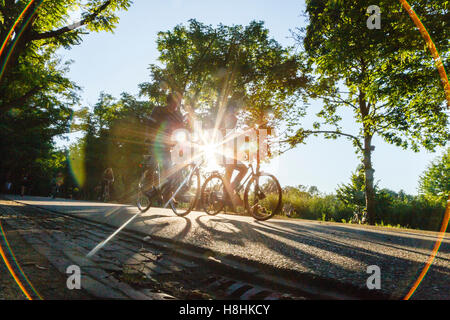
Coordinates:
[118,62]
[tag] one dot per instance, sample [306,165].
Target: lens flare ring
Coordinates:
[444,79]
[430,45]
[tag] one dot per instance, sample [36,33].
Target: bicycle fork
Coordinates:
[182,185]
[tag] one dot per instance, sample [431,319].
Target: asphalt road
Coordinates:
[328,250]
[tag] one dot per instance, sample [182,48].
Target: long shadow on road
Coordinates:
[312,247]
[341,253]
[406,239]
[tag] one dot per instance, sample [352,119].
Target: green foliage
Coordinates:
[392,209]
[315,207]
[434,184]
[213,65]
[50,19]
[392,83]
[33,70]
[114,137]
[412,212]
[352,194]
[36,97]
[26,139]
[386,77]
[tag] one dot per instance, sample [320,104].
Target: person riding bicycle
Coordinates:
[57,183]
[231,164]
[161,125]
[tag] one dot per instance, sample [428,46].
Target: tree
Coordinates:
[314,191]
[114,134]
[27,63]
[36,97]
[386,77]
[434,184]
[352,194]
[26,139]
[211,66]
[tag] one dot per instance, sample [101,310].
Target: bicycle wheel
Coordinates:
[263,197]
[144,197]
[213,195]
[143,202]
[186,198]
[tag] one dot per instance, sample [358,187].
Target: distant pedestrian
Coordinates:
[8,187]
[24,184]
[8,183]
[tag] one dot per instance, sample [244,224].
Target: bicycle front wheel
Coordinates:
[187,195]
[263,197]
[143,202]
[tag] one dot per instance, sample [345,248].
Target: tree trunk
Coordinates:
[369,180]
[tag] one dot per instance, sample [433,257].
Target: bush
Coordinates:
[319,207]
[417,213]
[393,209]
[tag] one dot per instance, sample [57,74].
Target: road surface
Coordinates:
[317,250]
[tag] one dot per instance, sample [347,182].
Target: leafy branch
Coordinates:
[55,33]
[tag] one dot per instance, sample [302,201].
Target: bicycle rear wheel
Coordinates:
[263,196]
[186,198]
[146,191]
[213,192]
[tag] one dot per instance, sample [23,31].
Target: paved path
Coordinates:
[327,250]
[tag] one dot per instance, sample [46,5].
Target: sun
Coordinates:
[211,152]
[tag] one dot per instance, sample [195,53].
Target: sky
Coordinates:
[116,63]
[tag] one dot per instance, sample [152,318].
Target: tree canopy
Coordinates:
[386,77]
[213,65]
[434,184]
[36,96]
[29,65]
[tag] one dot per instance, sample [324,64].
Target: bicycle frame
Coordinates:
[251,173]
[196,167]
[162,185]
[104,242]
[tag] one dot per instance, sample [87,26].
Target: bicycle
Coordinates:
[183,199]
[359,217]
[262,195]
[56,190]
